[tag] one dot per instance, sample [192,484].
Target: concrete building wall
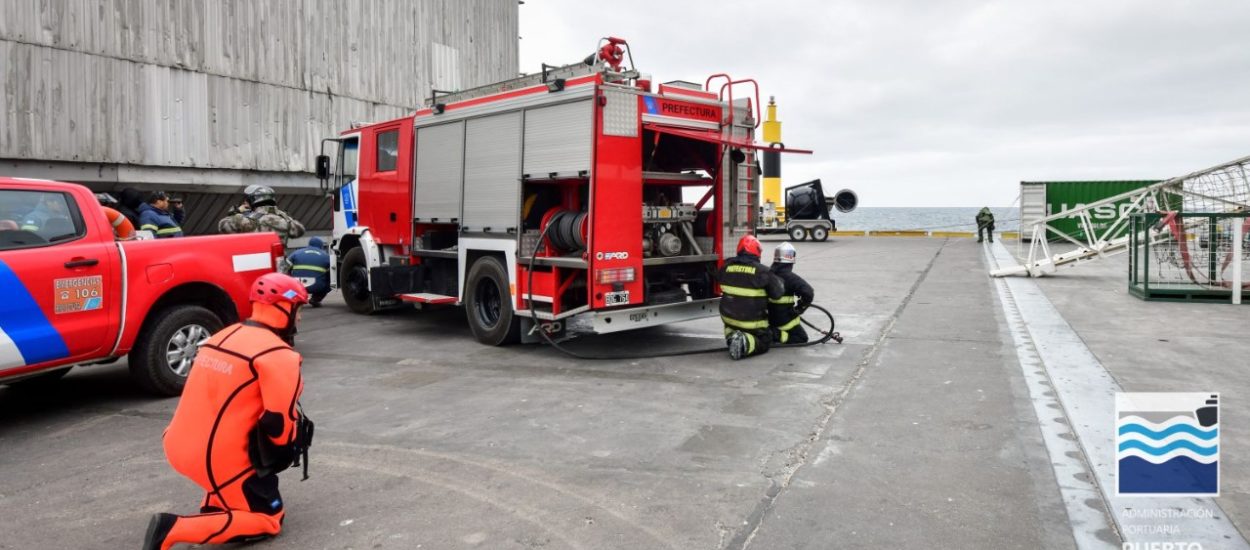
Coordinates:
[211,95]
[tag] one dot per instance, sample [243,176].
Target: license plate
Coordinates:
[616,298]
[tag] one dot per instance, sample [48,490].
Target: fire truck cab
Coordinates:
[574,193]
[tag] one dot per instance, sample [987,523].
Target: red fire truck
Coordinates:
[577,192]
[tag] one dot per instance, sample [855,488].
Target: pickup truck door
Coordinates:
[59,282]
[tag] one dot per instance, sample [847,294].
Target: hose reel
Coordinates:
[565,230]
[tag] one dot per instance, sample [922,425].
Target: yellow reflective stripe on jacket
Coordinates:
[748,325]
[790,324]
[168,230]
[29,227]
[316,268]
[743,292]
[148,227]
[782,300]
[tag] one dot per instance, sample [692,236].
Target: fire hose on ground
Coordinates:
[827,335]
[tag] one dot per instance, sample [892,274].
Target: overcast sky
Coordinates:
[950,103]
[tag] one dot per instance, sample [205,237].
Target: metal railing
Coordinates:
[1189,256]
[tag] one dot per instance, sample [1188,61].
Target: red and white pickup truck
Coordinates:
[72,295]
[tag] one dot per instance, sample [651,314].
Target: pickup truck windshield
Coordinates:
[37,218]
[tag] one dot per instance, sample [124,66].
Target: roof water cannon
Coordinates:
[610,51]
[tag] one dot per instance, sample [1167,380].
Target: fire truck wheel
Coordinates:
[489,304]
[162,357]
[820,234]
[798,233]
[354,280]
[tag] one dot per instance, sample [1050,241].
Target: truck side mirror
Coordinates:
[323,167]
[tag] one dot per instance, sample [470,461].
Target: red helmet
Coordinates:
[272,288]
[750,245]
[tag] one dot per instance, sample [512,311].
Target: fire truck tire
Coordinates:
[354,282]
[162,356]
[798,233]
[489,304]
[820,234]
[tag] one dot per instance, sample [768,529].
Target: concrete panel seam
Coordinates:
[1074,476]
[755,520]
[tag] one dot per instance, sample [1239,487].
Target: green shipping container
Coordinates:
[1039,199]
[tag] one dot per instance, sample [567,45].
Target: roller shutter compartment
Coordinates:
[440,170]
[492,172]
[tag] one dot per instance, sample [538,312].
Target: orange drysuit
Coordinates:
[244,376]
[122,228]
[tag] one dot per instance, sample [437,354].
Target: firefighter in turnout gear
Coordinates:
[260,213]
[784,312]
[746,286]
[311,265]
[238,423]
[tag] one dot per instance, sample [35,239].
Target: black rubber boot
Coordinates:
[737,342]
[158,529]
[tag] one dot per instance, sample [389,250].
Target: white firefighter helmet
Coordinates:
[785,254]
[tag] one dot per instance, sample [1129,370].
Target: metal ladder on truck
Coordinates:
[1222,188]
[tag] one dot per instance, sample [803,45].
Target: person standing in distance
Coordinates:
[746,286]
[238,423]
[985,222]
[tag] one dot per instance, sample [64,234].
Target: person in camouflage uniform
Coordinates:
[260,213]
[985,224]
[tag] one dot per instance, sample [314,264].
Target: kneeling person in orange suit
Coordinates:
[238,423]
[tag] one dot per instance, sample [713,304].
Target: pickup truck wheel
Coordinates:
[162,357]
[798,233]
[820,234]
[354,277]
[489,304]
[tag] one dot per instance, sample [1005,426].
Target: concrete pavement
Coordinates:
[933,449]
[918,431]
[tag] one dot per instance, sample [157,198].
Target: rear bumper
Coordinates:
[617,320]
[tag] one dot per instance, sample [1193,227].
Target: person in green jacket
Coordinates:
[985,222]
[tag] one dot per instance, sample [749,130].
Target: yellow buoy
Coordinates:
[772,163]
